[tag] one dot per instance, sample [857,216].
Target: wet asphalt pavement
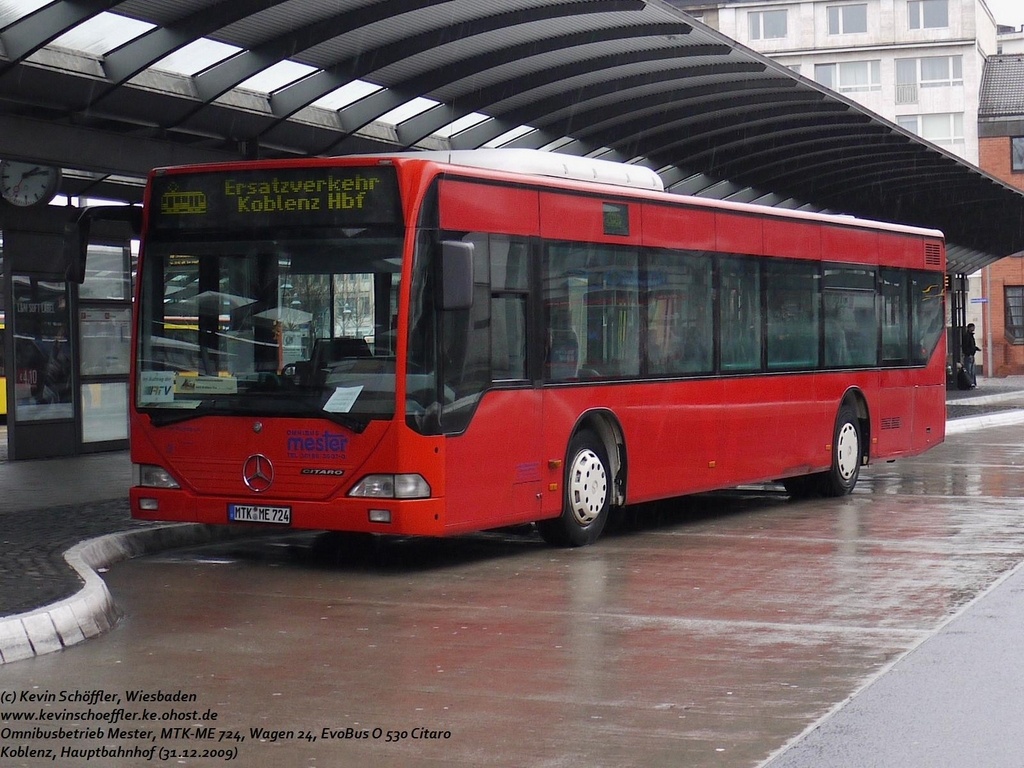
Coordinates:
[711,631]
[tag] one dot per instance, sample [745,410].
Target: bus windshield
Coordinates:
[290,325]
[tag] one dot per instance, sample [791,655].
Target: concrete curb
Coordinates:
[92,611]
[974,423]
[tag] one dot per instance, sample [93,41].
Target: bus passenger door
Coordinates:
[492,413]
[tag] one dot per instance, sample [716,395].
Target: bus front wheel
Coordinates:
[586,494]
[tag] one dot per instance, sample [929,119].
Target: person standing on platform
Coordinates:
[968,347]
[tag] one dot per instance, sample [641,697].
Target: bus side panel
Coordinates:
[930,403]
[902,251]
[693,436]
[737,233]
[800,240]
[672,436]
[892,422]
[853,246]
[589,219]
[929,417]
[494,469]
[775,426]
[908,418]
[666,227]
[477,207]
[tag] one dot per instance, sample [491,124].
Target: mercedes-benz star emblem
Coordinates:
[258,473]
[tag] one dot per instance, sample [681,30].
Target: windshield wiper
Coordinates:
[163,417]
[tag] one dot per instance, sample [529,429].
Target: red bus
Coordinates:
[432,344]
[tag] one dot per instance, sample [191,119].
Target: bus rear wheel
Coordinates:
[847,452]
[846,455]
[586,494]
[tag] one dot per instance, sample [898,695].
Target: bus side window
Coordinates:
[679,313]
[562,359]
[740,306]
[851,324]
[509,293]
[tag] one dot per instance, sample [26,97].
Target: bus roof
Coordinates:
[534,162]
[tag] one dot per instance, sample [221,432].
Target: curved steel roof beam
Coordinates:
[685,114]
[704,140]
[27,35]
[426,123]
[288,100]
[595,97]
[122,64]
[700,146]
[866,162]
[222,77]
[365,111]
[556,72]
[741,142]
[595,117]
[856,155]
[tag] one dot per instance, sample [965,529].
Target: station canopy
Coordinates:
[108,90]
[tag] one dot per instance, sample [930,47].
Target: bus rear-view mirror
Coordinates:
[78,229]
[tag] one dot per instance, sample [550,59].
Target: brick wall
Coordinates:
[994,157]
[1007,359]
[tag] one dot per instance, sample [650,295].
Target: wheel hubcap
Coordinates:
[588,487]
[847,451]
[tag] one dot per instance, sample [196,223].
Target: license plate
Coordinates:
[255,513]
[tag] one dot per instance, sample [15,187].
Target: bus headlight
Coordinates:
[392,487]
[152,476]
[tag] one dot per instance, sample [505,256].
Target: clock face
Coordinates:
[25,184]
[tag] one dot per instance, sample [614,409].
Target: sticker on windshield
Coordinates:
[156,387]
[187,384]
[343,399]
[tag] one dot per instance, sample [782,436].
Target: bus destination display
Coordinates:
[315,196]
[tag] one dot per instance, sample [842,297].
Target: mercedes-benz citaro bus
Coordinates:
[437,343]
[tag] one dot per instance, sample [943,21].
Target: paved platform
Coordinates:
[65,519]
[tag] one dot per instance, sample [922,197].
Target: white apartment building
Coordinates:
[917,63]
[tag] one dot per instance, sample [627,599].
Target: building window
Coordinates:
[850,76]
[926,72]
[1014,302]
[767,25]
[847,19]
[1017,153]
[944,128]
[928,14]
[939,71]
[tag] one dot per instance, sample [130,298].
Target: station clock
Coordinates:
[26,184]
